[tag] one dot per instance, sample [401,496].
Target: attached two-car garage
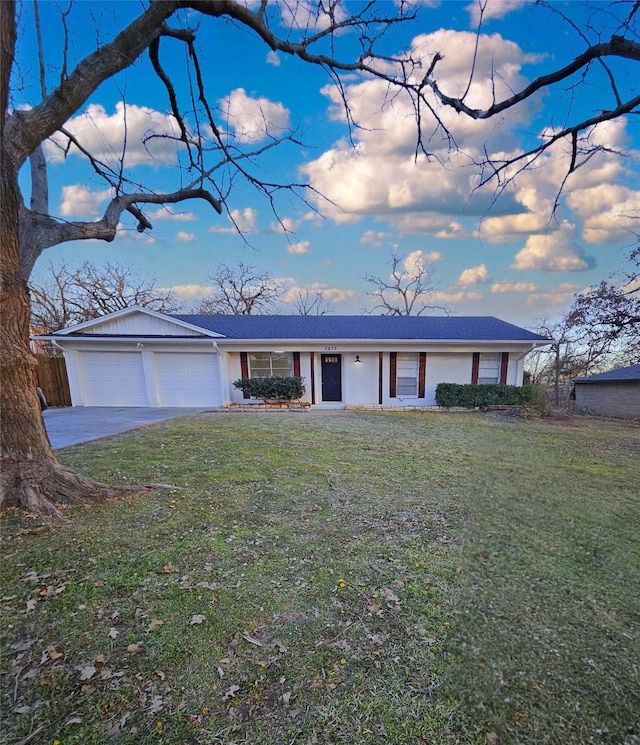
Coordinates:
[147,378]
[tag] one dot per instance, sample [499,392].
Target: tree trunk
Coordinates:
[30,476]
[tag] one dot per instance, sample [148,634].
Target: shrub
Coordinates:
[470,396]
[274,388]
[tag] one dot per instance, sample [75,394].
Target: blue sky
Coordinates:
[509,257]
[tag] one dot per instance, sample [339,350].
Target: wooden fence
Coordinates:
[52,378]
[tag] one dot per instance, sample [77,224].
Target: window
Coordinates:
[266,364]
[489,368]
[407,374]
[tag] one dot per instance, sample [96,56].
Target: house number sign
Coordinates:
[331,349]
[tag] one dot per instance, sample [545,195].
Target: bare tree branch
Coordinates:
[406,292]
[240,290]
[69,295]
[307,303]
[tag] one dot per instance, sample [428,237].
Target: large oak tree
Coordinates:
[31,476]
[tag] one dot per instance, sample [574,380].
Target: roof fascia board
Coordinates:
[226,341]
[603,381]
[181,340]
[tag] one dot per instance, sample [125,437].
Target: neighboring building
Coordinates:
[139,357]
[615,393]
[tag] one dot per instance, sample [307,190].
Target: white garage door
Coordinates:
[187,379]
[113,379]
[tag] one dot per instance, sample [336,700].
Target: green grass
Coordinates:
[334,578]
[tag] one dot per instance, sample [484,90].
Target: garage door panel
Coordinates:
[187,379]
[114,379]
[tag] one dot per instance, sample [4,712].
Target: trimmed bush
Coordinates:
[470,396]
[274,388]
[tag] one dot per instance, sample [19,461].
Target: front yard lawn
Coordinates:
[324,578]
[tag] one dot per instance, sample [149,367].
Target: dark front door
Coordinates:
[332,377]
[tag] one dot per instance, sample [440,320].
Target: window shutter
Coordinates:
[475,366]
[393,363]
[244,370]
[504,365]
[296,364]
[422,374]
[380,371]
[312,363]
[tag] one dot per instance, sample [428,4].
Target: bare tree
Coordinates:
[69,295]
[215,163]
[307,303]
[608,315]
[554,363]
[407,290]
[601,330]
[240,290]
[578,348]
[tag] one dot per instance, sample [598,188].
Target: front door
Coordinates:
[332,377]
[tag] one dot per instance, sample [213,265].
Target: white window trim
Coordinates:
[288,355]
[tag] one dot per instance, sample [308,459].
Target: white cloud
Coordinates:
[375,238]
[473,275]
[245,221]
[79,200]
[254,119]
[555,251]
[333,295]
[552,299]
[190,292]
[308,15]
[609,212]
[505,285]
[382,175]
[166,213]
[492,9]
[597,194]
[185,237]
[286,225]
[452,297]
[418,261]
[436,224]
[104,135]
[272,58]
[300,248]
[291,224]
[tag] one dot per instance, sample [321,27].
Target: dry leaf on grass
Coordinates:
[50,653]
[87,672]
[116,728]
[230,692]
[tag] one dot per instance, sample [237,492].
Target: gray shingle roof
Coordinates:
[620,375]
[436,328]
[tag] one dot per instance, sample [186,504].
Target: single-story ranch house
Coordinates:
[139,357]
[615,393]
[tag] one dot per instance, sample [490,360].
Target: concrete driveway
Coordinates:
[72,425]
